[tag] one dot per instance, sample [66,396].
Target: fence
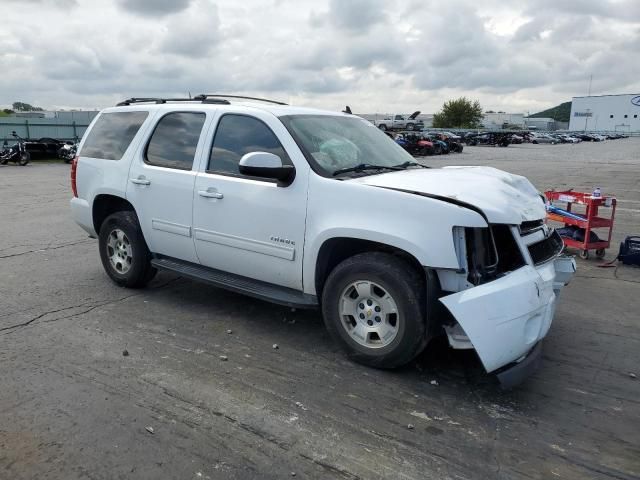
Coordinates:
[35,128]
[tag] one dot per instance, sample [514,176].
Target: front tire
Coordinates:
[124,252]
[25,157]
[373,305]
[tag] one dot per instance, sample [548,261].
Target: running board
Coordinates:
[236,283]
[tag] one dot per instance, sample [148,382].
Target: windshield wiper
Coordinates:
[409,163]
[362,167]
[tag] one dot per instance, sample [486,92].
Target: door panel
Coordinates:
[250,226]
[161,182]
[255,230]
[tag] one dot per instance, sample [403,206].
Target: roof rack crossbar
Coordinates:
[205,96]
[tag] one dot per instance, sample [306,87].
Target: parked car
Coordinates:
[315,209]
[543,138]
[43,147]
[400,122]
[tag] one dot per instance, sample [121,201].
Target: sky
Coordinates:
[383,56]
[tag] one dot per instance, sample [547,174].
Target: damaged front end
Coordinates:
[503,297]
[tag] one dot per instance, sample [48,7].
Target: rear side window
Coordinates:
[238,135]
[174,140]
[111,134]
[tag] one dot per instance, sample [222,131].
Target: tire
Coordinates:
[584,254]
[600,253]
[121,233]
[25,157]
[383,276]
[382,127]
[437,149]
[535,142]
[410,127]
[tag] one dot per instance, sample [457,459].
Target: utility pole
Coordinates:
[590,80]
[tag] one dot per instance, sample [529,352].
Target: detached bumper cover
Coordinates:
[506,318]
[515,375]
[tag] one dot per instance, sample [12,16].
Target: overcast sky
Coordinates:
[374,55]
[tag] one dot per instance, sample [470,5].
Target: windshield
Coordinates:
[335,143]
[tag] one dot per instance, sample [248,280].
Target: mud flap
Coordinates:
[505,318]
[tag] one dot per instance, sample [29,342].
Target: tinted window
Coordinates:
[238,135]
[111,134]
[174,140]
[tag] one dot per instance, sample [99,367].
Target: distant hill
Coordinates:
[561,113]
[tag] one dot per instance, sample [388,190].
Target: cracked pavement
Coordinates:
[73,406]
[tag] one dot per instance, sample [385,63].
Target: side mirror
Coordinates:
[267,165]
[14,134]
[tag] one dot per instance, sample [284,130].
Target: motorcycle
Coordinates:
[15,153]
[68,151]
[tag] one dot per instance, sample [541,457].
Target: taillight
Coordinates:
[74,168]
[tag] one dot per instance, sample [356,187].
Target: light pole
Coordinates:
[586,119]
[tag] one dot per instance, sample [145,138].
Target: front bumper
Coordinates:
[503,320]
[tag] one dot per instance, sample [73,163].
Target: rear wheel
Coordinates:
[410,126]
[383,127]
[600,253]
[124,252]
[373,304]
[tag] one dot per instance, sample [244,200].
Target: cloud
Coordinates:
[154,8]
[386,55]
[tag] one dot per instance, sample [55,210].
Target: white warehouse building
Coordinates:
[606,113]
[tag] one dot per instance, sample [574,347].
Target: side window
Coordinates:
[174,140]
[399,117]
[238,135]
[111,135]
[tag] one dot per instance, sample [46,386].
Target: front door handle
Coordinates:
[140,181]
[209,194]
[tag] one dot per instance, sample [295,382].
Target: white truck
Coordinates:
[315,209]
[400,122]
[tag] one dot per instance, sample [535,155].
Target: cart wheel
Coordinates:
[584,254]
[600,253]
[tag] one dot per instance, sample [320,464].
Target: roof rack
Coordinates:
[202,98]
[129,101]
[205,97]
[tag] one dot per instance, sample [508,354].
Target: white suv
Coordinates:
[308,208]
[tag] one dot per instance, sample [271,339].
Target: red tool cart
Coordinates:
[587,220]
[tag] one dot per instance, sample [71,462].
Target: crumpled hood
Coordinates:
[502,197]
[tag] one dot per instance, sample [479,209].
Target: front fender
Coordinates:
[419,225]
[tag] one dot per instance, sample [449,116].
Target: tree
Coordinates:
[459,113]
[25,107]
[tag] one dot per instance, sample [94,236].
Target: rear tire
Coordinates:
[382,322]
[124,252]
[383,128]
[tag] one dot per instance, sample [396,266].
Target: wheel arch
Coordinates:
[106,204]
[335,250]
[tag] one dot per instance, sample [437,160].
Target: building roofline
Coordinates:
[611,95]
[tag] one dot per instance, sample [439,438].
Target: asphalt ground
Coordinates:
[73,406]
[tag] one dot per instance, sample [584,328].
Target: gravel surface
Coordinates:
[191,400]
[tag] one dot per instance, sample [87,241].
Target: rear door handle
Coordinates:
[209,194]
[140,181]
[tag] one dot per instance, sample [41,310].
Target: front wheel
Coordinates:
[25,157]
[410,126]
[373,305]
[124,252]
